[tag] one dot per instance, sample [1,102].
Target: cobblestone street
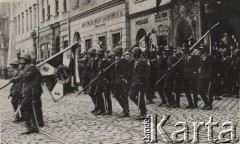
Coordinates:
[70,121]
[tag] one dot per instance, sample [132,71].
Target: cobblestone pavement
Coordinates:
[70,121]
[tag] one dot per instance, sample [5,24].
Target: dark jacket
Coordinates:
[121,70]
[32,80]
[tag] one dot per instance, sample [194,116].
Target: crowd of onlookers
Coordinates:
[6,72]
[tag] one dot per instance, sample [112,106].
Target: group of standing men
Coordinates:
[167,71]
[26,92]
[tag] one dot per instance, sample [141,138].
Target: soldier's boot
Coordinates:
[17,119]
[210,102]
[189,99]
[164,101]
[205,100]
[217,98]
[195,100]
[177,102]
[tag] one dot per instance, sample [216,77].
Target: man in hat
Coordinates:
[138,84]
[101,83]
[162,69]
[205,78]
[31,91]
[84,72]
[121,72]
[93,71]
[169,83]
[16,88]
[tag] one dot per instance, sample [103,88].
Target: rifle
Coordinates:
[9,82]
[192,47]
[107,68]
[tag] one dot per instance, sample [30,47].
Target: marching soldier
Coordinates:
[136,92]
[93,71]
[121,72]
[112,75]
[169,83]
[31,92]
[217,73]
[226,61]
[101,85]
[162,69]
[16,88]
[38,99]
[237,69]
[84,72]
[187,74]
[205,78]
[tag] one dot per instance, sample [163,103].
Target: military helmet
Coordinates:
[137,51]
[26,56]
[237,52]
[167,48]
[118,50]
[92,51]
[201,47]
[100,52]
[14,62]
[33,60]
[112,53]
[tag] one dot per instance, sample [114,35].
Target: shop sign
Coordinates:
[142,21]
[161,17]
[102,19]
[162,31]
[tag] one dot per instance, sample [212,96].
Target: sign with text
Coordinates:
[162,31]
[102,19]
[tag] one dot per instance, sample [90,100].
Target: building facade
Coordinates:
[174,21]
[4,32]
[53,27]
[25,15]
[100,24]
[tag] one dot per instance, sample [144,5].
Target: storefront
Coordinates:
[141,25]
[106,29]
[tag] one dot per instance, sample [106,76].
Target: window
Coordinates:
[43,11]
[57,8]
[102,42]
[85,2]
[88,44]
[30,20]
[27,20]
[35,16]
[75,4]
[19,25]
[22,22]
[65,42]
[64,5]
[116,39]
[49,12]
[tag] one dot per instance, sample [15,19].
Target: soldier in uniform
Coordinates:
[31,91]
[217,73]
[136,92]
[237,69]
[121,72]
[169,83]
[162,69]
[185,70]
[111,70]
[16,88]
[38,99]
[93,71]
[84,72]
[226,61]
[101,85]
[205,78]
